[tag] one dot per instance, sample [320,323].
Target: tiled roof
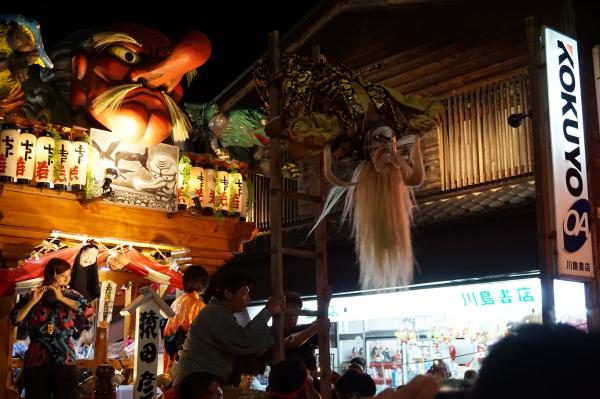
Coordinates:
[474,201]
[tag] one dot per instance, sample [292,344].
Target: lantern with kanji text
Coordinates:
[208,205]
[222,191]
[9,154]
[197,186]
[26,158]
[64,149]
[44,165]
[235,193]
[78,165]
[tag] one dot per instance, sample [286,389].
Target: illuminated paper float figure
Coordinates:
[126,78]
[142,176]
[20,44]
[327,108]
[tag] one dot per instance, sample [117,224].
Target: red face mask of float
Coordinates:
[140,71]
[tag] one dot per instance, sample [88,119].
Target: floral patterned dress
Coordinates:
[50,324]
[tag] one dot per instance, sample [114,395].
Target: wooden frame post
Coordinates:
[275,197]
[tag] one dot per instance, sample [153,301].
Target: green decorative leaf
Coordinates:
[185,173]
[55,155]
[243,127]
[90,184]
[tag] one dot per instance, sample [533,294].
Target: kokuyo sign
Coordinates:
[569,174]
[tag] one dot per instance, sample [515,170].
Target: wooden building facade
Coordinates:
[479,208]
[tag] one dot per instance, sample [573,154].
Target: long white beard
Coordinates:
[380,210]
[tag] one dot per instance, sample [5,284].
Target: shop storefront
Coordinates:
[400,333]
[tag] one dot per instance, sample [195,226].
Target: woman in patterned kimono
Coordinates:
[49,311]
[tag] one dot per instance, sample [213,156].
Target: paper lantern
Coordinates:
[9,154]
[222,197]
[236,181]
[462,351]
[64,149]
[209,200]
[44,166]
[26,158]
[78,164]
[197,185]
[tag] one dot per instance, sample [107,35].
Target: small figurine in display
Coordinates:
[110,175]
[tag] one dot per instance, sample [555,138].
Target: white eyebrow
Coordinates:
[102,40]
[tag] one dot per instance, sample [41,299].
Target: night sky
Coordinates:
[237,29]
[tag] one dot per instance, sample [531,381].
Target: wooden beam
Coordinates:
[458,65]
[120,277]
[31,214]
[297,252]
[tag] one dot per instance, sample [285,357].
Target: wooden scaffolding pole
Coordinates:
[275,130]
[275,197]
[322,281]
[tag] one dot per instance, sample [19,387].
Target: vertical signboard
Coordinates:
[596,58]
[569,173]
[146,350]
[148,306]
[108,290]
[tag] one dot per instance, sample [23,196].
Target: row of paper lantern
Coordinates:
[25,158]
[216,189]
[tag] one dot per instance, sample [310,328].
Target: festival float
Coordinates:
[97,165]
